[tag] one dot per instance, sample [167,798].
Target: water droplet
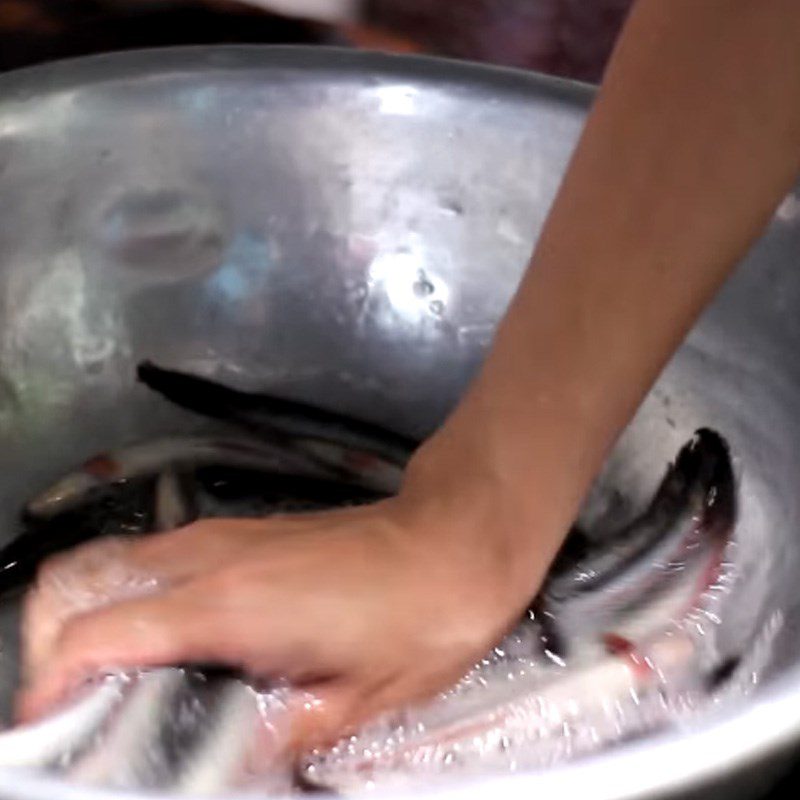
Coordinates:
[436,307]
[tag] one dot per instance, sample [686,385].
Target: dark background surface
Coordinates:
[568,38]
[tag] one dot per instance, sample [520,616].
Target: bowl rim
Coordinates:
[103,68]
[670,762]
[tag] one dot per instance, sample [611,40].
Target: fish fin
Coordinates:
[201,395]
[704,460]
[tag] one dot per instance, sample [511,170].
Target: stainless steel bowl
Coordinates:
[348,228]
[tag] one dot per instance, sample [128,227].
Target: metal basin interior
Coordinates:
[348,228]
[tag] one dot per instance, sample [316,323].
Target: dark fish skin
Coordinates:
[700,484]
[270,416]
[280,493]
[198,694]
[722,673]
[104,508]
[127,508]
[701,475]
[117,509]
[177,455]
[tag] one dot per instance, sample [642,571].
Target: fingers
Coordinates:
[90,577]
[112,570]
[336,603]
[172,627]
[212,620]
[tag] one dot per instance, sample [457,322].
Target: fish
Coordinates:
[132,728]
[151,456]
[528,725]
[187,732]
[276,438]
[53,740]
[622,617]
[181,728]
[118,509]
[118,493]
[128,753]
[349,445]
[629,652]
[284,438]
[244,747]
[175,502]
[700,484]
[661,561]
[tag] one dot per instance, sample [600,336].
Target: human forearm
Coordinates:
[693,140]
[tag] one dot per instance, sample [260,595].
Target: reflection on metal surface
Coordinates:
[413,293]
[397,99]
[168,231]
[789,209]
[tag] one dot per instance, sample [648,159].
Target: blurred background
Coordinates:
[567,38]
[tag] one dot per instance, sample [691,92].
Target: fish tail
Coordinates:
[703,462]
[270,416]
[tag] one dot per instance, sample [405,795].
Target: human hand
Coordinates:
[363,608]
